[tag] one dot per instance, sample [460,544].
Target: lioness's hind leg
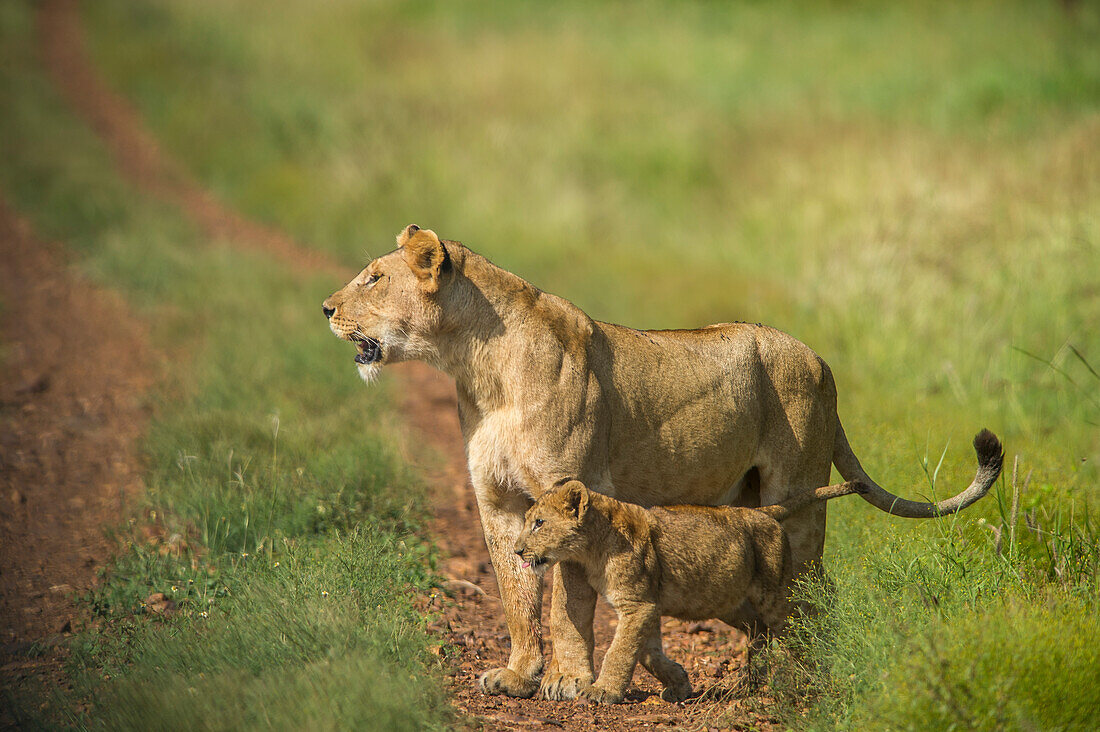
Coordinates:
[805,530]
[667,671]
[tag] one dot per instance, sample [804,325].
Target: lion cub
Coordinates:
[689,562]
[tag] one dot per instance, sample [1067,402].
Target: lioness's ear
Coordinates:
[576,498]
[406,234]
[425,254]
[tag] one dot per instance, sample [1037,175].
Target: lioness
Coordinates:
[730,414]
[689,562]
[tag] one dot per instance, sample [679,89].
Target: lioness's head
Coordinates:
[391,309]
[554,527]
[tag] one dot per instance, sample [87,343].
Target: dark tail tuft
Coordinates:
[990,453]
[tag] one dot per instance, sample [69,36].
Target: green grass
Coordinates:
[1012,665]
[952,629]
[278,518]
[910,188]
[324,633]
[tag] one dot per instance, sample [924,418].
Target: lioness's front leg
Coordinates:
[572,608]
[638,621]
[520,593]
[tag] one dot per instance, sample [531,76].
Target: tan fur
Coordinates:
[730,414]
[689,562]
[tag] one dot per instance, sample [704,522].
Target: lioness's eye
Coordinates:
[538,523]
[372,279]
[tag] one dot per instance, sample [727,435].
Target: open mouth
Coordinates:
[370,351]
[536,563]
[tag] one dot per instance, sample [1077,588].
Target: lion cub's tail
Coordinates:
[781,511]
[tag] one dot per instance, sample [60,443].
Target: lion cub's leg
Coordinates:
[757,633]
[667,671]
[767,595]
[638,621]
[572,608]
[772,609]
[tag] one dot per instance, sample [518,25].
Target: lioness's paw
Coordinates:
[562,687]
[595,693]
[508,682]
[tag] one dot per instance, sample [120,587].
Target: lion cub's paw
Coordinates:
[676,693]
[562,687]
[595,693]
[508,682]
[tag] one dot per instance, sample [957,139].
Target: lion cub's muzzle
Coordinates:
[530,559]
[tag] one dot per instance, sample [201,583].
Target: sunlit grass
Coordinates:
[319,631]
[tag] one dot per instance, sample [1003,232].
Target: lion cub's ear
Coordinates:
[425,255]
[576,498]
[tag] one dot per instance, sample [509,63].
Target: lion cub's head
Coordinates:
[392,308]
[554,528]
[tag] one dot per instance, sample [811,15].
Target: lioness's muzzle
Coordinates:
[370,351]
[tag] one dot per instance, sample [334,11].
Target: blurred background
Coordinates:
[911,188]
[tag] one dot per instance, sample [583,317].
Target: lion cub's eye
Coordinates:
[538,523]
[373,278]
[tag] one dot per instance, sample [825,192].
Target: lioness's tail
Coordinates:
[990,460]
[782,510]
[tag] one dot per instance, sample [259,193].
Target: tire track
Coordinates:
[76,367]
